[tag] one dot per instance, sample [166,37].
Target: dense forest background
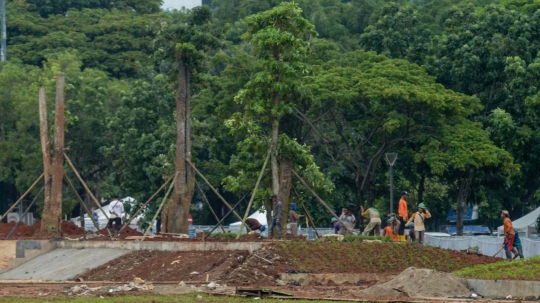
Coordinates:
[452,87]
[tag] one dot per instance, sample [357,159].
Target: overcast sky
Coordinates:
[178,4]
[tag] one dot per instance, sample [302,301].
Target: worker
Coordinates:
[293,218]
[374,220]
[410,233]
[418,219]
[277,215]
[254,225]
[348,220]
[509,235]
[337,225]
[395,224]
[389,230]
[116,211]
[518,246]
[403,215]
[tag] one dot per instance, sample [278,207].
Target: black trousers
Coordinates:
[401,231]
[117,221]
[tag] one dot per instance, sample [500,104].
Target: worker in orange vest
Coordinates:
[403,215]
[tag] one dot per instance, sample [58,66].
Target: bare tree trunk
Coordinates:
[54,214]
[462,199]
[178,212]
[273,147]
[422,188]
[285,188]
[46,151]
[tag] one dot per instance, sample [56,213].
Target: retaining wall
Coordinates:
[165,246]
[503,288]
[16,252]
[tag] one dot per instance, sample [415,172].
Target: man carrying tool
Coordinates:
[277,214]
[337,225]
[374,220]
[116,211]
[348,220]
[403,215]
[418,219]
[293,218]
[509,235]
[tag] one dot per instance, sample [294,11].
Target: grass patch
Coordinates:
[528,269]
[190,298]
[224,235]
[361,238]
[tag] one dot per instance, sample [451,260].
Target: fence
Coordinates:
[487,245]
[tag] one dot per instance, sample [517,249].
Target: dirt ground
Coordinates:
[25,232]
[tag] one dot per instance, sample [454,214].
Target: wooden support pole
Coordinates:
[45,150]
[25,212]
[226,215]
[160,207]
[215,191]
[146,203]
[309,221]
[82,202]
[253,195]
[320,200]
[88,191]
[22,197]
[208,203]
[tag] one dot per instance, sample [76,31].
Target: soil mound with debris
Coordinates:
[23,231]
[421,283]
[127,232]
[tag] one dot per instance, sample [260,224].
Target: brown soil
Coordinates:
[127,232]
[23,231]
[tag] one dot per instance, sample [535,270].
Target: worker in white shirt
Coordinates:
[116,211]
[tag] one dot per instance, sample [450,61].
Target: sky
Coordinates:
[178,4]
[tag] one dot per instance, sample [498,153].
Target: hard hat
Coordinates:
[412,225]
[505,212]
[333,220]
[421,205]
[391,220]
[263,228]
[404,193]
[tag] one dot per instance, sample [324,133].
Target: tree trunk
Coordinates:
[421,188]
[286,166]
[273,147]
[46,151]
[54,214]
[462,199]
[177,221]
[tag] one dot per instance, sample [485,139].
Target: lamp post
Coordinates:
[391,158]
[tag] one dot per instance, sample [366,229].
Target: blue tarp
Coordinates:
[469,214]
[474,229]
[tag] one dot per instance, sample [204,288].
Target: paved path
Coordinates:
[62,264]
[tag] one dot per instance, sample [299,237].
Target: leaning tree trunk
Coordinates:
[46,151]
[178,210]
[286,166]
[462,199]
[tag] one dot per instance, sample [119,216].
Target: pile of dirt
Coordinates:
[23,231]
[420,282]
[127,232]
[69,228]
[168,266]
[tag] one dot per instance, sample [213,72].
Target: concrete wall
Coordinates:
[16,252]
[503,288]
[164,246]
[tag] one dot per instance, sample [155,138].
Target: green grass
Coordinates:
[528,269]
[191,298]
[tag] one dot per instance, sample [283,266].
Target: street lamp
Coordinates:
[391,158]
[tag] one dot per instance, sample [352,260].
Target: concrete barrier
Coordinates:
[503,288]
[16,252]
[165,246]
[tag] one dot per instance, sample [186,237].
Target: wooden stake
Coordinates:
[82,202]
[309,221]
[25,212]
[21,198]
[160,207]
[253,195]
[319,199]
[45,150]
[215,191]
[208,203]
[146,203]
[88,191]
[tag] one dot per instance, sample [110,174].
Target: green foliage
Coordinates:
[361,238]
[526,269]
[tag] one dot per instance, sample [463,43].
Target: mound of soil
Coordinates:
[23,231]
[127,232]
[418,283]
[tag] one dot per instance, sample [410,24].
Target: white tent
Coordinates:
[525,225]
[260,215]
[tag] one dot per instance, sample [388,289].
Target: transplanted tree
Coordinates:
[182,38]
[279,38]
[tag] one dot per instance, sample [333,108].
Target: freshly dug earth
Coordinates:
[23,231]
[342,257]
[232,267]
[418,283]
